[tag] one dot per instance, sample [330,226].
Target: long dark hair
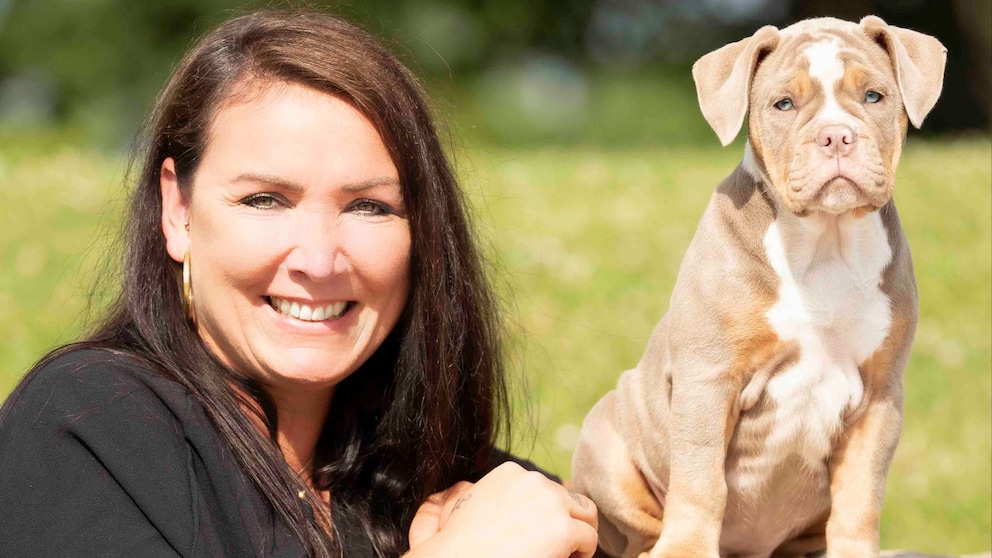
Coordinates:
[425,411]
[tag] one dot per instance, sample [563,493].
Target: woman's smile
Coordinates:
[309,311]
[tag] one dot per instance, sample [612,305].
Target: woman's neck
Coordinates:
[300,416]
[300,419]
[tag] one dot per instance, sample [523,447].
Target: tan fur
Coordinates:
[669,454]
[749,338]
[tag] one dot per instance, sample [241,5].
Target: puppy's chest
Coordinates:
[829,301]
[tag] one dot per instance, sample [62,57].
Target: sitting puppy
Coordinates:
[764,413]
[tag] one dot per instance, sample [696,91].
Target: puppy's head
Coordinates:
[827,104]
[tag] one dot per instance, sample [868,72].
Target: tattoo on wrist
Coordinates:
[460,501]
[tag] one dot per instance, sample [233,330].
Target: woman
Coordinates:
[304,357]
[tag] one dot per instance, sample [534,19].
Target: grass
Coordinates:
[585,244]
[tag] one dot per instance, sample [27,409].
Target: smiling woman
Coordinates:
[304,358]
[323,232]
[296,202]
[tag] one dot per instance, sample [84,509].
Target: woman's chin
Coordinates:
[307,366]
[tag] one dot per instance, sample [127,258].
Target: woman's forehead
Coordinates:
[297,132]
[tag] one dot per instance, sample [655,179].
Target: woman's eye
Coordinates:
[261,201]
[370,207]
[873,97]
[784,104]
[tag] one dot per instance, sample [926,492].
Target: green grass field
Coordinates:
[585,245]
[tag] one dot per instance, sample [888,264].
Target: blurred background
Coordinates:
[575,130]
[610,72]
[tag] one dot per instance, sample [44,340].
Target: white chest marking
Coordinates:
[829,300]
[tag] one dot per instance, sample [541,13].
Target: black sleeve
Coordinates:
[93,462]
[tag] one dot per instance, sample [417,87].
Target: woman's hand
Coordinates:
[509,512]
[428,520]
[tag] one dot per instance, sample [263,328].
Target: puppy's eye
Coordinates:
[784,104]
[873,97]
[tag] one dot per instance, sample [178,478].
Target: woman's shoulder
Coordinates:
[86,403]
[89,390]
[95,437]
[82,404]
[91,379]
[100,438]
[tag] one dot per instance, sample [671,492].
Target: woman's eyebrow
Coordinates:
[370,183]
[270,180]
[284,184]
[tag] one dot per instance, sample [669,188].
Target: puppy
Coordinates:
[763,416]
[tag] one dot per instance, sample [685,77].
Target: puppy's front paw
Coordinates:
[682,553]
[851,548]
[682,549]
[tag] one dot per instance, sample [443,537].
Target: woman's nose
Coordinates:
[316,253]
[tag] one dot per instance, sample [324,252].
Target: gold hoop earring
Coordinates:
[188,290]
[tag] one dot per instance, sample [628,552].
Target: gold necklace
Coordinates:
[303,493]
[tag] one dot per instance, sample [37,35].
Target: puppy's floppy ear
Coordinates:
[723,81]
[918,60]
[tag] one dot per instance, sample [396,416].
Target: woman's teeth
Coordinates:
[306,312]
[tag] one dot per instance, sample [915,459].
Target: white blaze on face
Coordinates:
[826,67]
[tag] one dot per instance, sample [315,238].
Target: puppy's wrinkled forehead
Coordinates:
[825,54]
[824,61]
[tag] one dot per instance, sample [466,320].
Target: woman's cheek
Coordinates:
[380,252]
[250,249]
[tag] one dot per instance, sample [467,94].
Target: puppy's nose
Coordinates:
[836,139]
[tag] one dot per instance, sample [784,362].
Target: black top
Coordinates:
[102,456]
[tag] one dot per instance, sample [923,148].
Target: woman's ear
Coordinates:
[175,212]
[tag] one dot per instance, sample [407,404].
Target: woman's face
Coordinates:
[298,237]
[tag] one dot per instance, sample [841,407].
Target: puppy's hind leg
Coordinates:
[603,470]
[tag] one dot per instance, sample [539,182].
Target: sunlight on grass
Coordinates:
[585,244]
[56,225]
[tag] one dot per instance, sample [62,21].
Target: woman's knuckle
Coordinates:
[535,479]
[508,468]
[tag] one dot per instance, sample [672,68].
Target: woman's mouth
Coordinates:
[308,312]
